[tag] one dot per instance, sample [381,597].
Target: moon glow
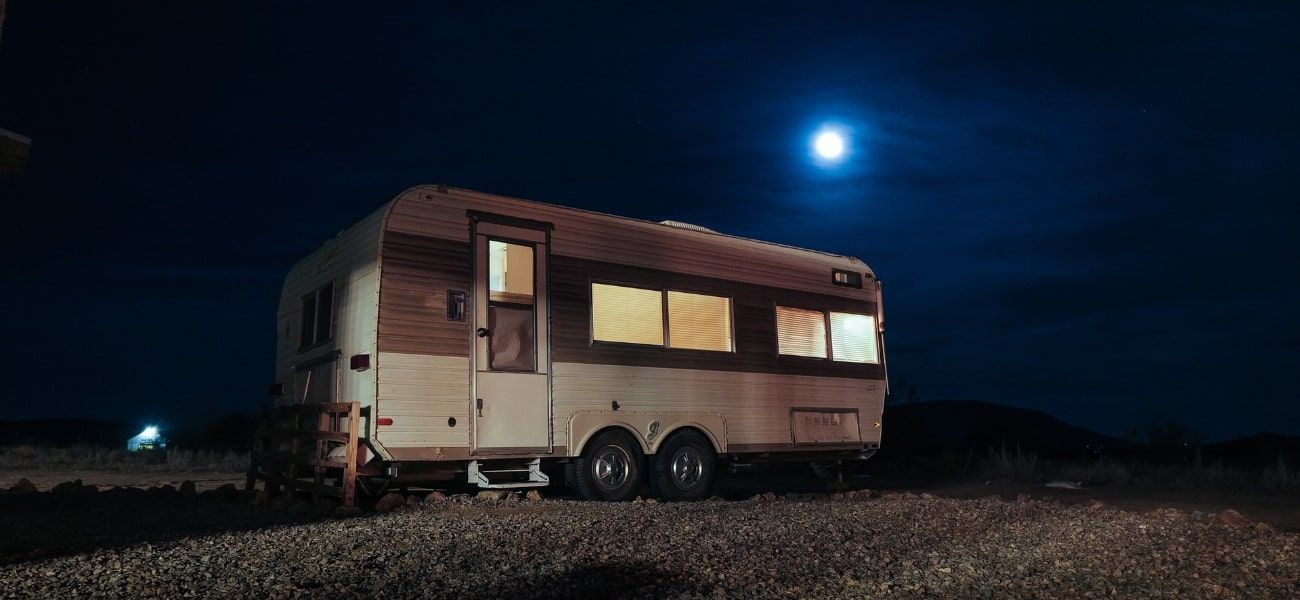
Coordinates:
[829,145]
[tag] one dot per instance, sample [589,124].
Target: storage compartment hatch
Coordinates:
[825,426]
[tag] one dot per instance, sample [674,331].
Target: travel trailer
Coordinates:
[459,335]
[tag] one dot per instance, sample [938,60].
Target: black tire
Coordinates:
[684,468]
[610,469]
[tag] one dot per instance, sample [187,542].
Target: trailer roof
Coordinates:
[673,225]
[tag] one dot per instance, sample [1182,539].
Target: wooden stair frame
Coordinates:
[291,425]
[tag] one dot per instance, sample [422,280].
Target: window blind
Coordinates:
[627,314]
[800,332]
[853,338]
[699,322]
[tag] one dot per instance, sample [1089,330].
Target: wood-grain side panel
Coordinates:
[755,322]
[441,212]
[417,271]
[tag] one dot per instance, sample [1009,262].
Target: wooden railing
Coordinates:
[292,447]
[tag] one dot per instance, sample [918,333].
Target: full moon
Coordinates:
[829,145]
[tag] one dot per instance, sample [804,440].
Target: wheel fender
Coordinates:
[649,428]
[584,426]
[696,425]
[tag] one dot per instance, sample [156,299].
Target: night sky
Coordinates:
[1089,211]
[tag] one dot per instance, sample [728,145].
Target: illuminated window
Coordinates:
[511,312]
[510,272]
[627,314]
[699,322]
[800,332]
[853,338]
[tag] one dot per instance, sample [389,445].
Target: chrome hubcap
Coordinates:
[611,467]
[687,468]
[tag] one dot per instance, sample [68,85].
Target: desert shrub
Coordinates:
[1192,475]
[1095,474]
[1281,476]
[1017,466]
[99,458]
[206,460]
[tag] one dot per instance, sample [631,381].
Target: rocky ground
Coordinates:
[78,543]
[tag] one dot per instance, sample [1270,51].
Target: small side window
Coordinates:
[317,322]
[846,278]
[307,326]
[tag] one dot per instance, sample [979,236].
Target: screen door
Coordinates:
[511,334]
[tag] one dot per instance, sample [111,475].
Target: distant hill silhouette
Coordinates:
[1261,449]
[66,432]
[961,427]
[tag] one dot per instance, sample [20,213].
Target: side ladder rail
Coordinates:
[306,465]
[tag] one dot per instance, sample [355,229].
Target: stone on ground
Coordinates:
[391,501]
[1231,518]
[24,486]
[67,487]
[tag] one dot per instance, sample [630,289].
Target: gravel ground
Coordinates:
[898,546]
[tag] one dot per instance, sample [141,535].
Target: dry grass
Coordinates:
[99,458]
[1193,476]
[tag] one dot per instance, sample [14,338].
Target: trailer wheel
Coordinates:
[684,467]
[610,468]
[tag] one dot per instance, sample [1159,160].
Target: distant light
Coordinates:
[148,440]
[829,145]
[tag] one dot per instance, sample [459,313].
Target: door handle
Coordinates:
[480,406]
[482,332]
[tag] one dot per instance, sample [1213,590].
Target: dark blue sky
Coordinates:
[1087,210]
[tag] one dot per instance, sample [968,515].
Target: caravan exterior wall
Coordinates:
[498,328]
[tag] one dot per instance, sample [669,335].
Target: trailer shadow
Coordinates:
[37,526]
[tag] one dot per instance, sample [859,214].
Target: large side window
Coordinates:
[699,322]
[853,338]
[800,332]
[626,314]
[803,332]
[317,317]
[634,315]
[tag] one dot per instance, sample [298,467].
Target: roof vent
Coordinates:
[681,225]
